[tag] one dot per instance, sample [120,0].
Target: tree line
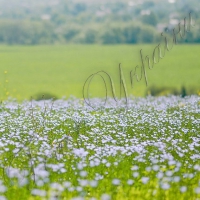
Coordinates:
[43,32]
[66,21]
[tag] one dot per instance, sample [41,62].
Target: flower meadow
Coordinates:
[64,149]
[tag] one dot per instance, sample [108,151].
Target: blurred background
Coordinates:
[50,47]
[90,21]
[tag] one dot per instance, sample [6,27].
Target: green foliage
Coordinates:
[25,32]
[90,37]
[158,91]
[163,91]
[113,35]
[43,96]
[129,34]
[71,32]
[150,19]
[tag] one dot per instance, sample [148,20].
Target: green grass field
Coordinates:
[62,70]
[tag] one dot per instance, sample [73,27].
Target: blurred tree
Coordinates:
[70,33]
[132,34]
[58,19]
[148,4]
[112,35]
[150,19]
[78,8]
[147,35]
[118,7]
[90,36]
[24,32]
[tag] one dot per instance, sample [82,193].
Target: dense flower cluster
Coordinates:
[67,150]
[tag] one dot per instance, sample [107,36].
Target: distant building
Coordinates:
[161,27]
[173,22]
[171,1]
[145,12]
[46,17]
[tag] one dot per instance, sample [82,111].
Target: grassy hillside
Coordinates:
[62,70]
